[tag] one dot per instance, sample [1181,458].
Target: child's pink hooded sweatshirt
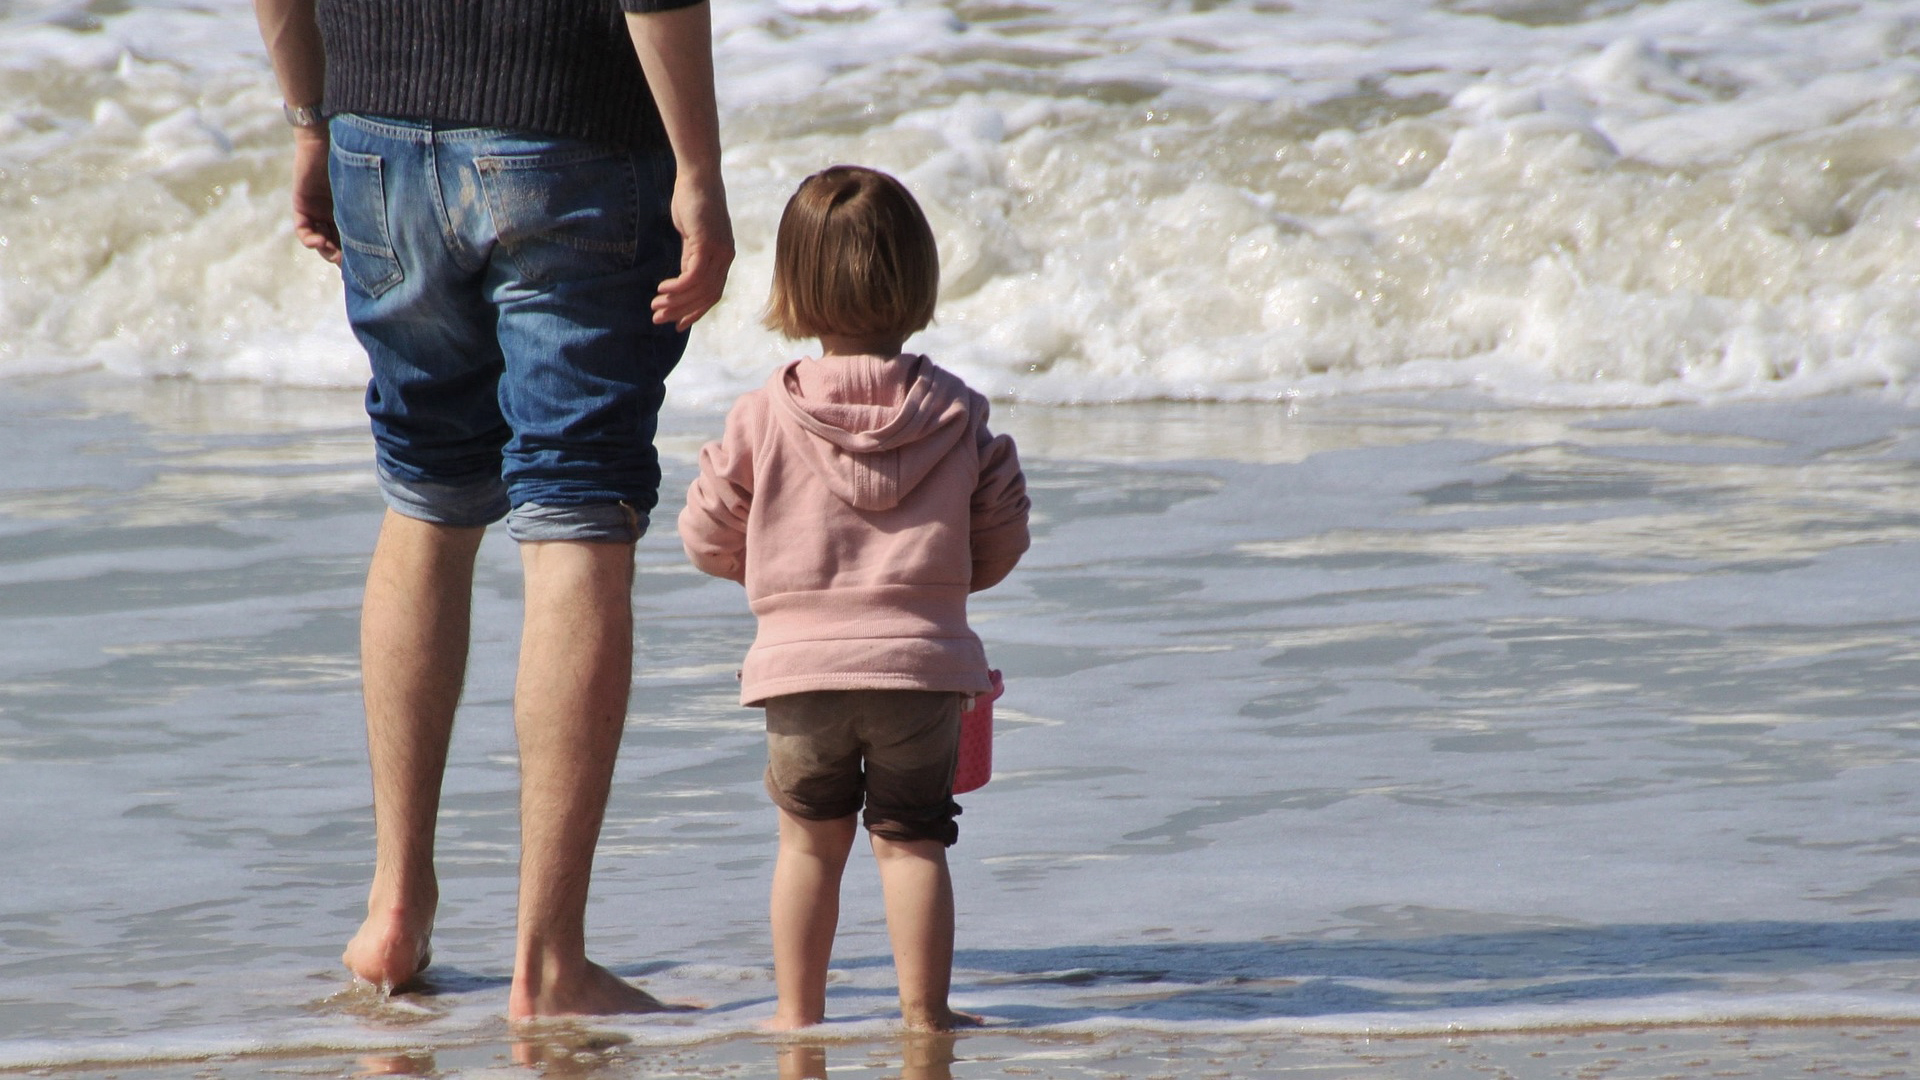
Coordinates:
[860,500]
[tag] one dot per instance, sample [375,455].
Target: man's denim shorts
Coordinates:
[500,283]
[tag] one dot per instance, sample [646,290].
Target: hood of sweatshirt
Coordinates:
[870,427]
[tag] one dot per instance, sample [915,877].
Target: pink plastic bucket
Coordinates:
[976,740]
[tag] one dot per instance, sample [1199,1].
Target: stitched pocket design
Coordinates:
[564,215]
[360,213]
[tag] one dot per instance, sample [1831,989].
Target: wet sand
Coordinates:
[1870,1051]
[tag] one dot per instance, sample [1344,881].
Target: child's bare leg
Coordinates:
[806,911]
[919,895]
[929,1055]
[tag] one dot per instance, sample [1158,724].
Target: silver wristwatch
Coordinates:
[303,116]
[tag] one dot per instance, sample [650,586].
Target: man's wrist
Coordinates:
[700,173]
[304,117]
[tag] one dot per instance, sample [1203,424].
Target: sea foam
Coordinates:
[1600,203]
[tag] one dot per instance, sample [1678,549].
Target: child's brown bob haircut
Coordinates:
[854,257]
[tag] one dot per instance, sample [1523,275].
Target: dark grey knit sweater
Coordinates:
[563,67]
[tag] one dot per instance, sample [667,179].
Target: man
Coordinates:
[526,202]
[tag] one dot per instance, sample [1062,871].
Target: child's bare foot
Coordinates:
[391,948]
[802,1061]
[594,992]
[783,1021]
[937,1020]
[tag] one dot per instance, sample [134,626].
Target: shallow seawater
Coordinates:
[1327,726]
[1379,724]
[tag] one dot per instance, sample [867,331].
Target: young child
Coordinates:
[859,497]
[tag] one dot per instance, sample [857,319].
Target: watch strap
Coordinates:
[303,116]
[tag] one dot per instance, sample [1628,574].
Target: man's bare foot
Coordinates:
[595,992]
[391,949]
[941,1020]
[564,1050]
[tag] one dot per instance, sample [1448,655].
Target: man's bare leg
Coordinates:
[805,913]
[413,657]
[570,704]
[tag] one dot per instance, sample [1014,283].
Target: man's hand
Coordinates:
[313,194]
[675,48]
[300,64]
[706,233]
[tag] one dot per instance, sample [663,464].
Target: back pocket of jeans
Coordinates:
[564,215]
[360,212]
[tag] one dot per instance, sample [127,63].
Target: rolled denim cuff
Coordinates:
[606,523]
[458,505]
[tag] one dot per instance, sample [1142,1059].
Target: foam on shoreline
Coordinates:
[1619,204]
